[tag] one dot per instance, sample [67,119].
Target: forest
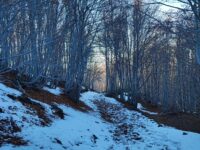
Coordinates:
[132,50]
[147,55]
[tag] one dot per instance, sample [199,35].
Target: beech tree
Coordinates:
[195,7]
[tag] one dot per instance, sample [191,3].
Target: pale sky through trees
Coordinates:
[170,2]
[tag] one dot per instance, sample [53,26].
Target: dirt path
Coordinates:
[124,128]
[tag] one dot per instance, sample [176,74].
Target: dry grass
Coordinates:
[49,98]
[182,121]
[44,96]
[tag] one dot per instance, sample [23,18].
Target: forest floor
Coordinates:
[46,119]
[179,120]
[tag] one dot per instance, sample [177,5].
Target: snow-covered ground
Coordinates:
[152,136]
[89,131]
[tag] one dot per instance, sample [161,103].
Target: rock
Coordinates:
[58,141]
[94,138]
[1,110]
[184,133]
[58,112]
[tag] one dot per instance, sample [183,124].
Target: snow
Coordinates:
[57,91]
[141,108]
[15,110]
[7,90]
[124,96]
[77,128]
[77,131]
[90,97]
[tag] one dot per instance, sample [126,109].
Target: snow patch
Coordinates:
[14,109]
[57,91]
[7,90]
[141,108]
[89,97]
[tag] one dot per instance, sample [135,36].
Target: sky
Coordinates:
[170,2]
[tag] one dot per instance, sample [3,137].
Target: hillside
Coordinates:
[27,124]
